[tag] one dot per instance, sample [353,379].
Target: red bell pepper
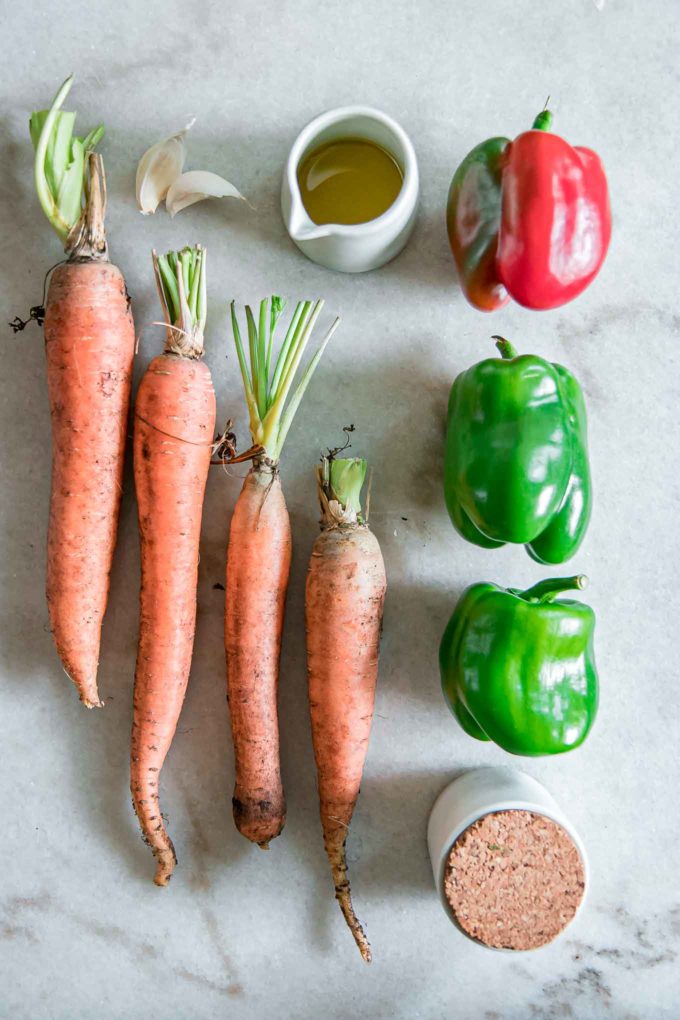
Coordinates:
[528,219]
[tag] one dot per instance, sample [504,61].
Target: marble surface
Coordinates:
[83,931]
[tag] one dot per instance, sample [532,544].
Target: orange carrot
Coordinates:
[89,343]
[173,438]
[343,614]
[258,565]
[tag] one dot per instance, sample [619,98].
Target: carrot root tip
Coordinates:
[91,704]
[165,865]
[354,925]
[87,689]
[344,897]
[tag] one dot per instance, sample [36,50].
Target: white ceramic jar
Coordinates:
[484,791]
[358,247]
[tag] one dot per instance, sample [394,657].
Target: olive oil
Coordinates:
[350,180]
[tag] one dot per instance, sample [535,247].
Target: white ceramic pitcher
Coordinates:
[357,247]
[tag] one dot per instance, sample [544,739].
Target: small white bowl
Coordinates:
[356,247]
[484,791]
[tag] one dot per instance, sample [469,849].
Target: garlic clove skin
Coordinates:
[158,168]
[194,186]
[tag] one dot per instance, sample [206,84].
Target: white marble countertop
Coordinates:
[83,931]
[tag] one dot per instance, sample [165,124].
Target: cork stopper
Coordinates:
[514,880]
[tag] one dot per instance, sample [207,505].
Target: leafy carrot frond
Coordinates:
[60,167]
[267,390]
[340,481]
[346,480]
[181,282]
[253,411]
[275,311]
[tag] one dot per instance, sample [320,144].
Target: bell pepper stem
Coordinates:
[543,122]
[506,349]
[545,591]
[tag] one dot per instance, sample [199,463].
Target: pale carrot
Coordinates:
[89,343]
[343,613]
[174,424]
[258,565]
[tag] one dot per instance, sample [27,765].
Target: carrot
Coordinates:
[343,614]
[258,565]
[89,344]
[173,438]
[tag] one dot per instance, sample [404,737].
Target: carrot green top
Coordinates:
[340,481]
[267,382]
[346,479]
[61,165]
[181,282]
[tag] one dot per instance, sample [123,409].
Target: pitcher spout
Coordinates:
[310,233]
[301,228]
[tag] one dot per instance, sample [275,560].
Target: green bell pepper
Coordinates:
[518,668]
[516,458]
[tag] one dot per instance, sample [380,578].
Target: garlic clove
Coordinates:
[158,168]
[194,186]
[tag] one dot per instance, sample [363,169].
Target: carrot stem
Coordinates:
[254,359]
[301,310]
[61,166]
[181,281]
[276,308]
[270,410]
[295,340]
[262,346]
[291,410]
[346,480]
